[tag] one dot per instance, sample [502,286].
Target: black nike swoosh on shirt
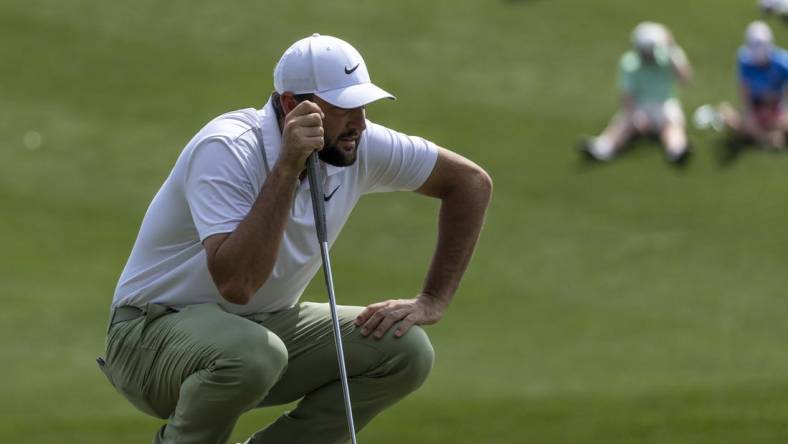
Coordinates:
[327,198]
[350,71]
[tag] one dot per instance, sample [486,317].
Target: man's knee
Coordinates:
[253,368]
[414,355]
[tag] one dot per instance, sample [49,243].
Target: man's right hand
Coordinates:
[302,135]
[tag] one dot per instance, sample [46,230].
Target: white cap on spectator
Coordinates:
[758,41]
[649,35]
[758,32]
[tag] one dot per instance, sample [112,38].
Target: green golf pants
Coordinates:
[202,367]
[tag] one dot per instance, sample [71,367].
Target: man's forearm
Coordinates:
[464,189]
[242,261]
[245,259]
[680,63]
[459,224]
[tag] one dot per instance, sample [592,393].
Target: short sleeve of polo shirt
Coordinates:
[218,188]
[782,59]
[740,66]
[627,66]
[393,161]
[678,55]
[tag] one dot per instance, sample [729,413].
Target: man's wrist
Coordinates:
[288,168]
[434,298]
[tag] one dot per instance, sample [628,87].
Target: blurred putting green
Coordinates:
[628,303]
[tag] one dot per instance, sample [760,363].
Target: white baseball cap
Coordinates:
[757,33]
[330,68]
[648,35]
[758,41]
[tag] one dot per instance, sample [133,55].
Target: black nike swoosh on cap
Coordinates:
[327,198]
[350,71]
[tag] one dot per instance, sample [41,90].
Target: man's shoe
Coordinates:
[586,148]
[682,158]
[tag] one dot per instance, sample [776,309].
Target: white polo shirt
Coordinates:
[212,188]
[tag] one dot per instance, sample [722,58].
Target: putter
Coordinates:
[318,206]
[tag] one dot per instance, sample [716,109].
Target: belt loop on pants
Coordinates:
[125,313]
[151,312]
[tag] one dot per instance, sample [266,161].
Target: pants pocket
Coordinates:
[102,365]
[129,364]
[129,372]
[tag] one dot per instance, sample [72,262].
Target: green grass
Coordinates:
[629,303]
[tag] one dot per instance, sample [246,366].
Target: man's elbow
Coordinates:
[480,184]
[233,285]
[235,292]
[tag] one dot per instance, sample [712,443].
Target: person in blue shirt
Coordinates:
[763,73]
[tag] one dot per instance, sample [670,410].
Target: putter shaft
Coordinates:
[318,206]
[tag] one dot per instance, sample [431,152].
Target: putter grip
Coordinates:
[316,189]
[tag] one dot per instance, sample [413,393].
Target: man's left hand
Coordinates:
[378,318]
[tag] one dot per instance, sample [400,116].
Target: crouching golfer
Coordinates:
[648,76]
[206,322]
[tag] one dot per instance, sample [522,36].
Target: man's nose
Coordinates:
[358,120]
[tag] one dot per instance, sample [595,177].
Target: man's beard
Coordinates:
[334,155]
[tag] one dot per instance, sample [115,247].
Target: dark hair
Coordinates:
[277,104]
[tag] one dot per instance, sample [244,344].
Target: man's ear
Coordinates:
[288,101]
